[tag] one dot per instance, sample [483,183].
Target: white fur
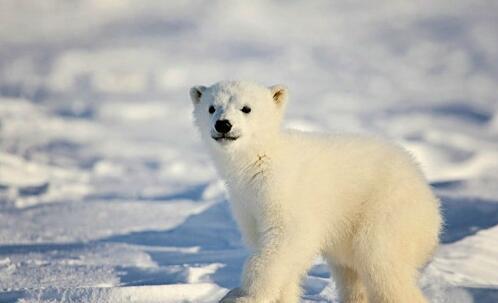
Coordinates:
[361,203]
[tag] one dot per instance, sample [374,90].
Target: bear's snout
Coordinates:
[223,126]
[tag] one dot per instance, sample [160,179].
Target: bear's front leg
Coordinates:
[284,255]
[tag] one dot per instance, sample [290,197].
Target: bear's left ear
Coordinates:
[279,93]
[196,93]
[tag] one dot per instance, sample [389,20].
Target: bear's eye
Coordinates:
[212,109]
[246,109]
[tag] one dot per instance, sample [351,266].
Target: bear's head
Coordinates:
[236,114]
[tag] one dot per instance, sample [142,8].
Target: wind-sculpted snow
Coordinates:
[107,194]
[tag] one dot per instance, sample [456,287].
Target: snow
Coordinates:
[107,194]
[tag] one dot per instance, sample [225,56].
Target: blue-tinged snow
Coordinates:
[107,194]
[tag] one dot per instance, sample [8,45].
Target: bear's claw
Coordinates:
[235,295]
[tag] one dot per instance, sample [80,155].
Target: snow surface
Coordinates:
[106,193]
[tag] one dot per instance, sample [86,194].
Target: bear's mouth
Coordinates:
[224,138]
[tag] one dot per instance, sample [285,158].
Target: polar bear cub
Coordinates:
[359,202]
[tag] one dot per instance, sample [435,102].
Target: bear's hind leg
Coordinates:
[392,286]
[349,284]
[291,293]
[389,273]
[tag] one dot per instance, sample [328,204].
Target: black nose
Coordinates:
[223,126]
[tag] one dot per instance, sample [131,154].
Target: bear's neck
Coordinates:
[242,165]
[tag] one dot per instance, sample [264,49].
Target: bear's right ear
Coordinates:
[196,93]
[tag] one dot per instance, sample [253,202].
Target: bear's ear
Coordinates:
[279,93]
[196,93]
